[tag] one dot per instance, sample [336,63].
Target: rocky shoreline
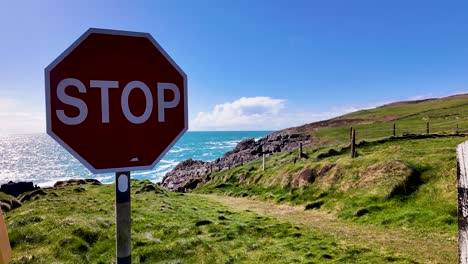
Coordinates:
[184,177]
[188,174]
[19,192]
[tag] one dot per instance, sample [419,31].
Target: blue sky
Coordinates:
[252,65]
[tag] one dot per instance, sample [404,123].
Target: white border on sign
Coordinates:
[64,54]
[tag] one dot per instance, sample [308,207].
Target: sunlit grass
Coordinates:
[408,183]
[76,225]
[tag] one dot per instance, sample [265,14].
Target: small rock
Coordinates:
[203,222]
[29,196]
[72,182]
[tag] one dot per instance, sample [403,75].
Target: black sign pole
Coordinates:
[122,217]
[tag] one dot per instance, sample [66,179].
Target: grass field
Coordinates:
[443,115]
[398,183]
[76,225]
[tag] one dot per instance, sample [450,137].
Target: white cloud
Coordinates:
[16,120]
[245,113]
[259,113]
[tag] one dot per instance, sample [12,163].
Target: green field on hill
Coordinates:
[443,116]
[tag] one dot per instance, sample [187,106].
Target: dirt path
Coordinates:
[423,248]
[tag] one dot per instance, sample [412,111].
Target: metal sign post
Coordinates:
[122,217]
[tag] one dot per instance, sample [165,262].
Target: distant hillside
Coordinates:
[443,114]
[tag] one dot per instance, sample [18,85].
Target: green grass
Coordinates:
[76,225]
[443,115]
[398,183]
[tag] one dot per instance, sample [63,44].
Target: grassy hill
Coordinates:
[443,115]
[396,183]
[75,224]
[395,202]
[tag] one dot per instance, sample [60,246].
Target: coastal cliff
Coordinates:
[187,174]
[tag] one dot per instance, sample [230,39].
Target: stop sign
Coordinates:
[116,100]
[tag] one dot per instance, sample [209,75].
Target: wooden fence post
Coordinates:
[394,129]
[353,143]
[5,249]
[462,186]
[263,163]
[300,150]
[427,127]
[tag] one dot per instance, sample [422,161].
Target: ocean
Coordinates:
[38,158]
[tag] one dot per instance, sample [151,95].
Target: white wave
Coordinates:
[168,161]
[141,173]
[220,147]
[178,150]
[232,142]
[51,183]
[164,167]
[106,179]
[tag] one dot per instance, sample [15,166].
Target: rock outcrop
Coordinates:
[77,182]
[17,188]
[8,203]
[17,193]
[187,174]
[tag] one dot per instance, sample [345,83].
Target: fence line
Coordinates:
[366,133]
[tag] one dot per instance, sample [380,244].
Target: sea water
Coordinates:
[38,158]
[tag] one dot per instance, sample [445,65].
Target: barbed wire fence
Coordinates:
[368,134]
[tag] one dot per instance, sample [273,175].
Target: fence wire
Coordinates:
[370,134]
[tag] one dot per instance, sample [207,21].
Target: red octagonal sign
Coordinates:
[116,100]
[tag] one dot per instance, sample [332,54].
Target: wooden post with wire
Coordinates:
[353,143]
[394,129]
[462,186]
[263,163]
[5,249]
[427,128]
[300,150]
